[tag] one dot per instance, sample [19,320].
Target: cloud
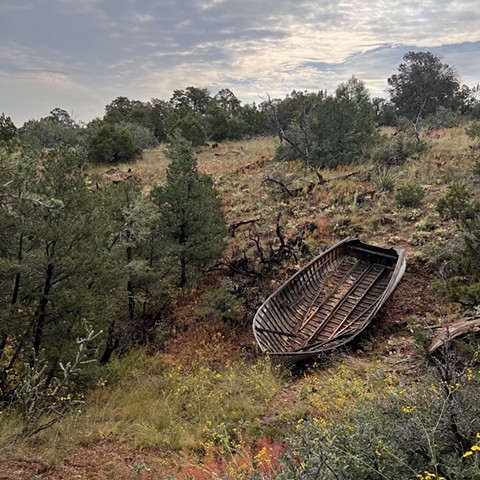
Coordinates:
[147,48]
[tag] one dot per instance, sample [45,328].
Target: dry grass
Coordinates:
[228,158]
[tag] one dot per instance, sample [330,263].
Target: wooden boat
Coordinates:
[328,302]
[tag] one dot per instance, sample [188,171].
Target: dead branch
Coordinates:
[232,228]
[283,186]
[231,152]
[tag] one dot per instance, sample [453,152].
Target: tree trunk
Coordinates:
[40,313]
[16,284]
[111,344]
[130,291]
[3,342]
[183,272]
[131,301]
[16,289]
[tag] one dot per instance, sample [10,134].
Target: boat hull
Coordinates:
[330,301]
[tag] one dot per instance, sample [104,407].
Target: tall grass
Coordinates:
[156,404]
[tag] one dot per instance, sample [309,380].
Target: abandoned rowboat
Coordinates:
[329,301]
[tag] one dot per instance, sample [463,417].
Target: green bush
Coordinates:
[463,282]
[453,204]
[111,144]
[143,137]
[220,304]
[397,149]
[473,131]
[190,129]
[410,195]
[426,429]
[443,117]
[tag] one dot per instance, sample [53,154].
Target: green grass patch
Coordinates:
[153,403]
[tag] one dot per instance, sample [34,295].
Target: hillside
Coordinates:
[200,400]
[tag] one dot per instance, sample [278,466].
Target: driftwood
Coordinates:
[455,330]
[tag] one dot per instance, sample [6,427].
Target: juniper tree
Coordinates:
[8,129]
[55,272]
[422,85]
[192,222]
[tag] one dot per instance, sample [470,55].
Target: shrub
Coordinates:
[442,118]
[384,179]
[221,304]
[396,150]
[410,195]
[334,130]
[111,144]
[463,284]
[143,137]
[190,129]
[454,202]
[473,131]
[423,429]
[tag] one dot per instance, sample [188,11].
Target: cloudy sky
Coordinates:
[81,54]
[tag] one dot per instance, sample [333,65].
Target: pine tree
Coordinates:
[191,218]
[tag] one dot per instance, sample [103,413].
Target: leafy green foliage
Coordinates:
[463,285]
[48,132]
[443,117]
[191,222]
[54,272]
[143,137]
[190,129]
[111,144]
[155,116]
[473,131]
[405,430]
[331,130]
[136,248]
[8,130]
[454,203]
[221,304]
[422,85]
[194,111]
[397,149]
[192,99]
[385,115]
[222,125]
